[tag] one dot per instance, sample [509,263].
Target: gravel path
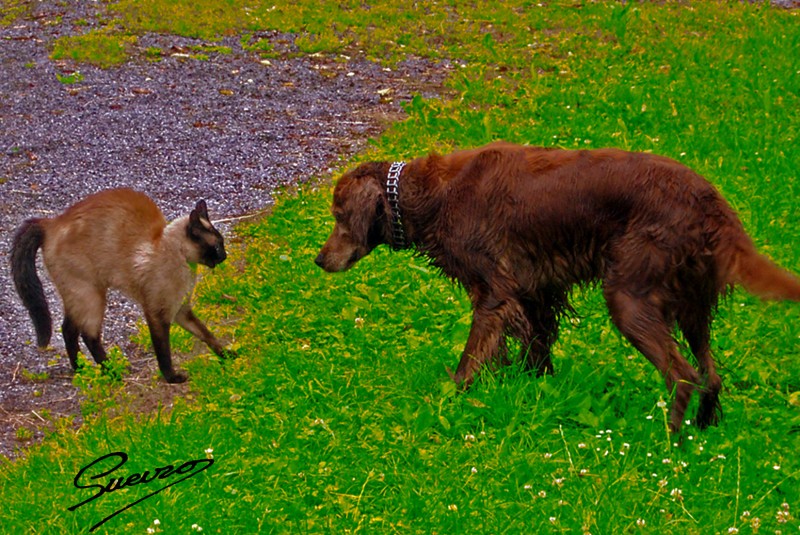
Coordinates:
[230,129]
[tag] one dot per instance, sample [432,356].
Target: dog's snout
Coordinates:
[320,260]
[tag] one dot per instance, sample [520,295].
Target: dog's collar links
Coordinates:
[393,195]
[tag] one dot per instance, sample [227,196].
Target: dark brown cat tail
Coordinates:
[26,243]
[761,277]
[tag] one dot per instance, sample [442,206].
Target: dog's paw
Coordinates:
[176,377]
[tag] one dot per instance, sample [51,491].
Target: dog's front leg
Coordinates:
[486,338]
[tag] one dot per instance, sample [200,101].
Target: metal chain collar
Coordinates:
[393,195]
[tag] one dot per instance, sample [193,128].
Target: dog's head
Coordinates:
[362,217]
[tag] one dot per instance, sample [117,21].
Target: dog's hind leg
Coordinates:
[640,318]
[695,324]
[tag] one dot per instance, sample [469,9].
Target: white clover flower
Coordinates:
[474,470]
[452,507]
[776,467]
[542,494]
[661,404]
[548,455]
[527,486]
[581,445]
[553,520]
[641,522]
[469,438]
[156,522]
[733,530]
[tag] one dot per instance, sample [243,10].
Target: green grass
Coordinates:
[10,10]
[98,48]
[339,415]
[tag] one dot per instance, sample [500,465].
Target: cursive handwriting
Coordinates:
[117,459]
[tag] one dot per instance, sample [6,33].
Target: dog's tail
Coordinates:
[24,246]
[761,277]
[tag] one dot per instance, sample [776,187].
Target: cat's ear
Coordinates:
[200,212]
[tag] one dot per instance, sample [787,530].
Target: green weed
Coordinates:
[97,48]
[70,79]
[12,10]
[35,377]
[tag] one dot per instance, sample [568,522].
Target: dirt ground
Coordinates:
[230,129]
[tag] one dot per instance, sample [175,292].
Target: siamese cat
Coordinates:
[117,239]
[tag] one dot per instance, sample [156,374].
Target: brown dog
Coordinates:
[518,226]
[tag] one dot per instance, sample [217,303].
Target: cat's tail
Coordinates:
[24,247]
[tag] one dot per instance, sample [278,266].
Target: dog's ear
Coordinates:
[371,202]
